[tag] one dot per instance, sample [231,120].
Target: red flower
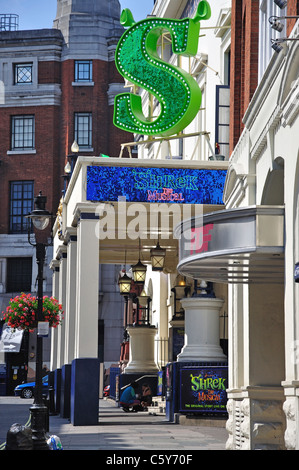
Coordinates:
[21,312]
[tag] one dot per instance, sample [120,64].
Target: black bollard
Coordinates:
[52,410]
[47,405]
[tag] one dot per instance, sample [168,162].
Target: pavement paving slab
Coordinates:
[118,434]
[121,431]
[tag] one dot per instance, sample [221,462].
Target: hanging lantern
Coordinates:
[157,258]
[124,283]
[139,272]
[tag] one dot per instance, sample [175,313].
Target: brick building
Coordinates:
[57,87]
[251,52]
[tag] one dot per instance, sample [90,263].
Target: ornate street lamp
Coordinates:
[40,218]
[158,254]
[143,303]
[143,298]
[139,270]
[180,290]
[69,167]
[124,283]
[158,257]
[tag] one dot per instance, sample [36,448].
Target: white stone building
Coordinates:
[257,255]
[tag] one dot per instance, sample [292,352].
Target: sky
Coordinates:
[38,14]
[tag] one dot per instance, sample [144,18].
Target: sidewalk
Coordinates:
[135,431]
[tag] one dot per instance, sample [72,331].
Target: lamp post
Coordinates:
[143,302]
[69,167]
[124,283]
[40,218]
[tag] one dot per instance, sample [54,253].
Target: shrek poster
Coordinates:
[203,389]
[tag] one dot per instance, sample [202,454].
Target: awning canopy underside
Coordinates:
[244,245]
[239,268]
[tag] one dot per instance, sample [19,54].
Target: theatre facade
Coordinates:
[229,234]
[109,216]
[124,211]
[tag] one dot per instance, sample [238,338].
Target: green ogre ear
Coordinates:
[126,18]
[203,11]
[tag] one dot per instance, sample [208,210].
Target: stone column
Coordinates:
[256,419]
[54,331]
[256,365]
[70,308]
[142,350]
[61,330]
[201,330]
[87,287]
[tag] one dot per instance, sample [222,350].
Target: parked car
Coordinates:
[107,391]
[26,390]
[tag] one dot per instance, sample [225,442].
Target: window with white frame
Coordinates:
[83,129]
[22,132]
[268,9]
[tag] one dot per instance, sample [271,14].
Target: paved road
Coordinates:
[118,431]
[12,410]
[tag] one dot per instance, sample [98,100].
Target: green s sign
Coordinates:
[138,61]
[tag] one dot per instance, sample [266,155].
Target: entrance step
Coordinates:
[158,406]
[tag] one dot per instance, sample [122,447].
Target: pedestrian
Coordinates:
[128,398]
[146,396]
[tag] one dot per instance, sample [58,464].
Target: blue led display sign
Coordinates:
[203,389]
[170,185]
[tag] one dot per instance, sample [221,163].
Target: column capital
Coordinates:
[202,302]
[141,330]
[61,252]
[70,234]
[85,211]
[54,265]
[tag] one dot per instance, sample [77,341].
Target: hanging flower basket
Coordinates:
[22,312]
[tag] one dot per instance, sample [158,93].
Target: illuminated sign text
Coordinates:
[169,185]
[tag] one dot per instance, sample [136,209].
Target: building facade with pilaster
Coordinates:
[257,253]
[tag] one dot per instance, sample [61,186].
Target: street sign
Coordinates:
[11,340]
